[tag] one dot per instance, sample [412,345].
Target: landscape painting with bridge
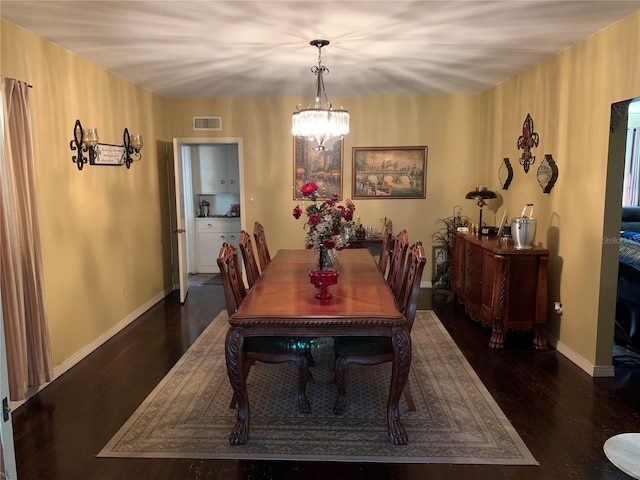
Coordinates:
[323,167]
[389,172]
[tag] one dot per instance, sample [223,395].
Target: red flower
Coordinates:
[297,212]
[347,214]
[329,243]
[314,219]
[308,188]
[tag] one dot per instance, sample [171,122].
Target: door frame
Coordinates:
[189,220]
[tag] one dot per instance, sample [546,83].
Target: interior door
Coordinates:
[181,227]
[7,456]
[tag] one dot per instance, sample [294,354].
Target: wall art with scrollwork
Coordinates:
[526,142]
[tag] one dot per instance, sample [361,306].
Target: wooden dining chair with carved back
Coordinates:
[377,350]
[261,245]
[262,349]
[387,248]
[248,258]
[397,266]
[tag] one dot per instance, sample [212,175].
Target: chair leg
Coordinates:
[409,397]
[339,373]
[303,377]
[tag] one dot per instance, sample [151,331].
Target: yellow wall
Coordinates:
[106,230]
[569,98]
[265,127]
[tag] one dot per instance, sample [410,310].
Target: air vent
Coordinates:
[207,123]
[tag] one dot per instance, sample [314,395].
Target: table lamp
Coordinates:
[480,194]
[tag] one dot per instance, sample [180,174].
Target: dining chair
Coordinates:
[261,245]
[387,247]
[262,349]
[377,350]
[397,265]
[248,258]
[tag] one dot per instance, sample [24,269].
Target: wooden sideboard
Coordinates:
[501,286]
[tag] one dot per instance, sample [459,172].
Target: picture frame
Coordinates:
[503,222]
[323,167]
[389,172]
[107,154]
[439,265]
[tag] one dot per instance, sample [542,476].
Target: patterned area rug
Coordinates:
[457,421]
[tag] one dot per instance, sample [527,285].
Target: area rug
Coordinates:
[456,421]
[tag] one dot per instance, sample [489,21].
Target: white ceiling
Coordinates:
[244,48]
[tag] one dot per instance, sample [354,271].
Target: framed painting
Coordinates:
[323,167]
[389,172]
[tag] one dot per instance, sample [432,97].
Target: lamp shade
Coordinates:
[480,193]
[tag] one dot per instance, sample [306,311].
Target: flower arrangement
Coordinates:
[326,219]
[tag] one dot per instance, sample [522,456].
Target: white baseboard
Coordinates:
[84,352]
[580,361]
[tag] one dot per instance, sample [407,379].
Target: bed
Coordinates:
[628,298]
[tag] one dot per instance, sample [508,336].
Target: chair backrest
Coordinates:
[387,245]
[234,289]
[249,259]
[416,261]
[398,258]
[261,245]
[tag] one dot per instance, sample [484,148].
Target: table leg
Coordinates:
[400,373]
[234,355]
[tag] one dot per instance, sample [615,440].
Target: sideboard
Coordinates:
[501,286]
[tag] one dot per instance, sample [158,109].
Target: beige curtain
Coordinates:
[25,324]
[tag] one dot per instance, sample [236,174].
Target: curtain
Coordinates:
[21,280]
[631,189]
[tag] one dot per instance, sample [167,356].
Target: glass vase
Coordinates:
[324,259]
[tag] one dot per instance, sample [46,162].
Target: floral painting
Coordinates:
[389,172]
[323,168]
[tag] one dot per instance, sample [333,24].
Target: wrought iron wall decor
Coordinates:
[526,142]
[505,173]
[547,173]
[85,140]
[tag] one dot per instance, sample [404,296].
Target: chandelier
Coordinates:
[320,122]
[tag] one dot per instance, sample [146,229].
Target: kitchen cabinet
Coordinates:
[501,286]
[211,233]
[217,169]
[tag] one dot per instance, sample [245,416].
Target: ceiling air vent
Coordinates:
[207,123]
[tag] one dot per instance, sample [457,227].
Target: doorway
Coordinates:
[188,200]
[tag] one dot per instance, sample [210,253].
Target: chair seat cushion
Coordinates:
[277,345]
[357,346]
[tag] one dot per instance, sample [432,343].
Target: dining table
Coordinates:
[283,302]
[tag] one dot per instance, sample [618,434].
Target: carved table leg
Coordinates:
[400,374]
[497,334]
[234,355]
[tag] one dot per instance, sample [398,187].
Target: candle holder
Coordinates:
[322,279]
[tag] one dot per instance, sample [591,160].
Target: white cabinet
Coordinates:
[211,233]
[217,169]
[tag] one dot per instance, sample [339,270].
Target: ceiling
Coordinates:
[238,48]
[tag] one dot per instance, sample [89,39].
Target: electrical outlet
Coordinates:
[557,306]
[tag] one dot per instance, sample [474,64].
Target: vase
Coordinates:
[324,259]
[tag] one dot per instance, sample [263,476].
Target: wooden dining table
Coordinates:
[283,303]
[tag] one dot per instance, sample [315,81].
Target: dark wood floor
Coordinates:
[563,415]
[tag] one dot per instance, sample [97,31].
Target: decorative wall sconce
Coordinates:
[85,140]
[505,173]
[547,173]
